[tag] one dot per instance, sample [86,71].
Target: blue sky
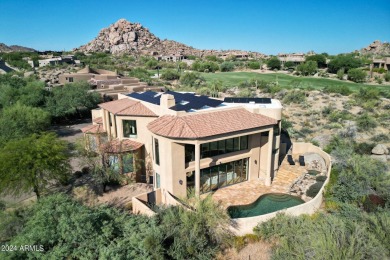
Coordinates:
[265,26]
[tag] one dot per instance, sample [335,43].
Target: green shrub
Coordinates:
[340,74]
[192,79]
[363,148]
[343,90]
[314,189]
[366,94]
[226,66]
[321,178]
[380,138]
[254,65]
[357,75]
[274,63]
[366,122]
[387,77]
[170,75]
[295,96]
[2,205]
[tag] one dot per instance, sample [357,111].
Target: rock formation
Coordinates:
[377,48]
[132,38]
[12,48]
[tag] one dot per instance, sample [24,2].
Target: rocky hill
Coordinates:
[12,48]
[126,37]
[377,48]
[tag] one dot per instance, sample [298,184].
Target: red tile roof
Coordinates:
[98,120]
[208,124]
[93,129]
[118,146]
[127,107]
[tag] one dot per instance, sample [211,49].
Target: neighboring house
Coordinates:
[69,59]
[87,74]
[188,142]
[171,57]
[381,63]
[297,58]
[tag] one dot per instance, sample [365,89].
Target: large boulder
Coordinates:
[314,161]
[382,158]
[380,149]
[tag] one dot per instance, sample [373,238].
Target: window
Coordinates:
[127,163]
[70,79]
[189,153]
[157,180]
[223,146]
[276,130]
[156,152]
[109,119]
[113,162]
[129,128]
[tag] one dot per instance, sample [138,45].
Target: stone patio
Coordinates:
[247,192]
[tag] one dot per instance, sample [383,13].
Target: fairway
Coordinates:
[232,79]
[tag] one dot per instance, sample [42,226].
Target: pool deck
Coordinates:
[247,192]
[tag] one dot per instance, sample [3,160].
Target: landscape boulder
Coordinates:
[380,149]
[314,161]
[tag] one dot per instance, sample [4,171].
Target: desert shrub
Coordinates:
[295,96]
[380,138]
[387,77]
[323,237]
[340,74]
[327,110]
[314,189]
[85,195]
[274,63]
[286,124]
[321,178]
[343,90]
[363,148]
[192,79]
[245,93]
[357,75]
[226,66]
[366,94]
[170,75]
[366,122]
[2,205]
[337,116]
[254,65]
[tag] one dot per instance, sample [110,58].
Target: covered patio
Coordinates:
[249,191]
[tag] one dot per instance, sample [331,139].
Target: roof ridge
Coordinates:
[131,105]
[192,130]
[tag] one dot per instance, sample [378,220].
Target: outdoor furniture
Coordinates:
[302,160]
[290,159]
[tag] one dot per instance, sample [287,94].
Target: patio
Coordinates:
[247,192]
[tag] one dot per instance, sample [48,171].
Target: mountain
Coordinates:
[12,48]
[132,38]
[377,48]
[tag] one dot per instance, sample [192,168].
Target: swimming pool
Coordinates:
[264,204]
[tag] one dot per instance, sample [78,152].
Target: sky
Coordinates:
[270,27]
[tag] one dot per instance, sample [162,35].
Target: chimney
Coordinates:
[167,100]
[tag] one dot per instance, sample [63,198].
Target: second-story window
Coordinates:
[156,152]
[129,128]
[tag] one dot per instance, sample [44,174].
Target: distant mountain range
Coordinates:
[14,48]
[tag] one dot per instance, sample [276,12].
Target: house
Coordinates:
[87,74]
[186,142]
[381,63]
[297,58]
[51,60]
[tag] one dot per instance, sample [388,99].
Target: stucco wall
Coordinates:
[242,226]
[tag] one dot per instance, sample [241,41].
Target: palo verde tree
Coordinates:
[274,63]
[31,163]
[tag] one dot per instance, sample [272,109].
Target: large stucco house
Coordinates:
[189,142]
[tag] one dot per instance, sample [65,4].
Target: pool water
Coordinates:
[264,204]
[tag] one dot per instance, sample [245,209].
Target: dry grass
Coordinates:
[259,250]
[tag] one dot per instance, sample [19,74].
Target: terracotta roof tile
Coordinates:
[208,124]
[93,129]
[98,120]
[117,146]
[127,107]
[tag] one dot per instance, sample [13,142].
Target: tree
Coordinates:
[31,163]
[340,74]
[344,61]
[319,58]
[254,65]
[308,68]
[357,75]
[20,121]
[151,64]
[192,79]
[69,99]
[274,63]
[170,75]
[289,65]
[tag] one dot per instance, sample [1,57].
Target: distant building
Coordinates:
[69,59]
[381,63]
[87,74]
[171,57]
[297,58]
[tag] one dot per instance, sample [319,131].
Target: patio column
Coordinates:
[197,169]
[269,161]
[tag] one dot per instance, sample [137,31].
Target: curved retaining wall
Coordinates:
[243,226]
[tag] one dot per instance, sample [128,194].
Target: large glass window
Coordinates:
[129,128]
[127,163]
[223,175]
[223,146]
[189,153]
[113,161]
[156,152]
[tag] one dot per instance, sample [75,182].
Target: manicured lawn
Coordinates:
[232,79]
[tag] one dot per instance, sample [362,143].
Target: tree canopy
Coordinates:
[31,163]
[319,58]
[344,61]
[274,63]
